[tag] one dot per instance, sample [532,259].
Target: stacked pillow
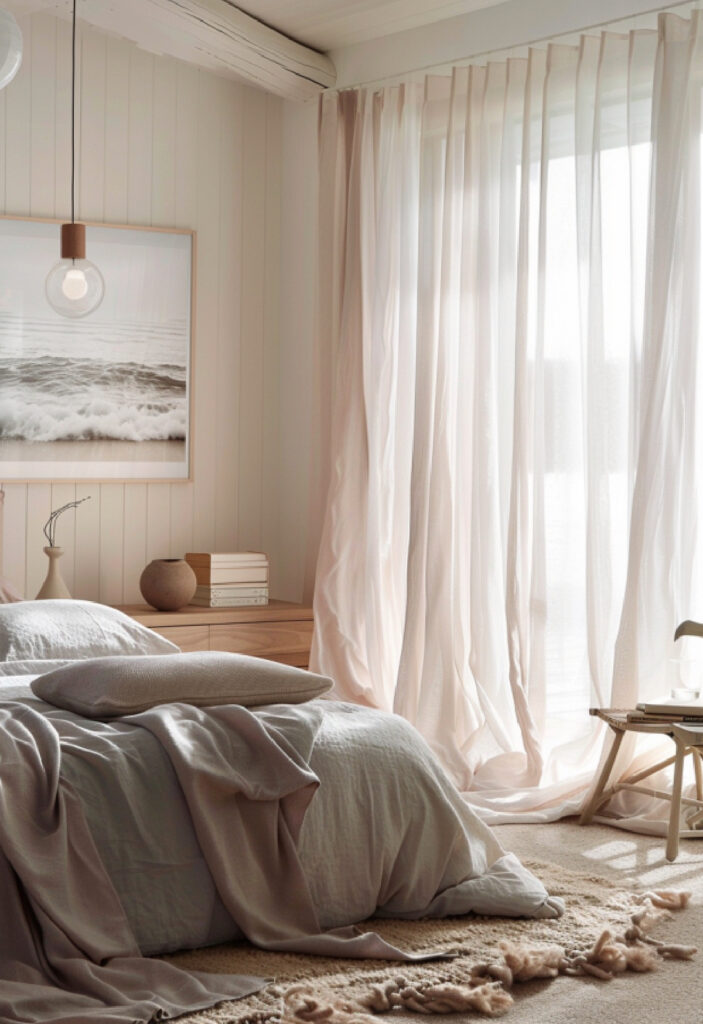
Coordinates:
[50,630]
[110,665]
[110,687]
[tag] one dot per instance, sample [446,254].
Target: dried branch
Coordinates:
[50,524]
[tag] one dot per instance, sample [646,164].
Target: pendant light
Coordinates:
[75,286]
[10,48]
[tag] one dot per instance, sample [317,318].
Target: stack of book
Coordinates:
[230,580]
[667,710]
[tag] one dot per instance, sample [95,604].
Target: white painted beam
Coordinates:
[213,34]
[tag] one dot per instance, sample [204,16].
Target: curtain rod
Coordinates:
[660,8]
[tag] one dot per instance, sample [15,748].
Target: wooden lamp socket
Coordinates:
[73,241]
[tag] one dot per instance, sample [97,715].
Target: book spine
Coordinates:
[235,590]
[229,602]
[241,558]
[243,574]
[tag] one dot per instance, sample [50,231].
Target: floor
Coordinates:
[672,995]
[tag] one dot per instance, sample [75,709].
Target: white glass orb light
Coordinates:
[10,48]
[74,286]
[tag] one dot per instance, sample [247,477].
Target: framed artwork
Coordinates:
[106,397]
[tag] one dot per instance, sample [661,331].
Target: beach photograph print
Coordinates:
[106,397]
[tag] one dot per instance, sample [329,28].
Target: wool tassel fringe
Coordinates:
[486,987]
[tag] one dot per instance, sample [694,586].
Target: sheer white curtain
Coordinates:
[511,273]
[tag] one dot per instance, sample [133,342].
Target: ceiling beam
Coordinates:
[214,34]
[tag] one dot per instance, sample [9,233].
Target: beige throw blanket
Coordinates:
[67,953]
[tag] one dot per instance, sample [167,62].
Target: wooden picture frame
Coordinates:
[108,397]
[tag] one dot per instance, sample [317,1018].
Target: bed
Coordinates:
[191,820]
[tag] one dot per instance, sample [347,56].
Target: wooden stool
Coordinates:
[688,740]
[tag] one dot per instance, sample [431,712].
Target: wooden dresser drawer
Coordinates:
[279,630]
[188,638]
[288,642]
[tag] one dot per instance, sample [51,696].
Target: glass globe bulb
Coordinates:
[74,288]
[10,48]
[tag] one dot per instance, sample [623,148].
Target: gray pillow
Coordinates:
[108,687]
[47,630]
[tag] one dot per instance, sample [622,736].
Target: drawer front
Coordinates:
[288,642]
[188,638]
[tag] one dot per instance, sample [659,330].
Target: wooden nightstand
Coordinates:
[279,630]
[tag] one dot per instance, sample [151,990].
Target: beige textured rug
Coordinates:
[593,904]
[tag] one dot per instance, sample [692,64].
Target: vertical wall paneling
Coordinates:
[43,125]
[18,120]
[207,312]
[251,409]
[14,535]
[66,530]
[116,168]
[141,127]
[91,169]
[271,511]
[111,546]
[38,511]
[186,141]
[181,519]
[158,143]
[163,167]
[87,551]
[158,535]
[62,111]
[229,340]
[134,543]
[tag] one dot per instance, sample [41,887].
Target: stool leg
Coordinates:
[592,805]
[672,843]
[699,774]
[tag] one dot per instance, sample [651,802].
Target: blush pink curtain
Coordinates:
[509,337]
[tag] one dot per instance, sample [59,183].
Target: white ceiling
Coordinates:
[321,24]
[331,24]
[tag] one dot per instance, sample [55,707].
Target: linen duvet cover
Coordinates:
[283,824]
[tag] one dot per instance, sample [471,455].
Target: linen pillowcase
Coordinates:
[46,630]
[108,687]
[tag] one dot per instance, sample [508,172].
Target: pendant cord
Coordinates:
[73,118]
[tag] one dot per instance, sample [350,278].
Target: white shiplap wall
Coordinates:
[163,144]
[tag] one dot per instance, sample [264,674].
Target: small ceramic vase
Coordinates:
[167,584]
[53,585]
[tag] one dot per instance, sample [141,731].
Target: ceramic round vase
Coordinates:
[167,584]
[53,585]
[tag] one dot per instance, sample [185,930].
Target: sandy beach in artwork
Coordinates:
[87,452]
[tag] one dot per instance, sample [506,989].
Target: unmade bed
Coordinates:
[283,823]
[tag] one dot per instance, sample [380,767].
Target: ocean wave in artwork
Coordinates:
[61,399]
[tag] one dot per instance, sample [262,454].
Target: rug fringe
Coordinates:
[486,987]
